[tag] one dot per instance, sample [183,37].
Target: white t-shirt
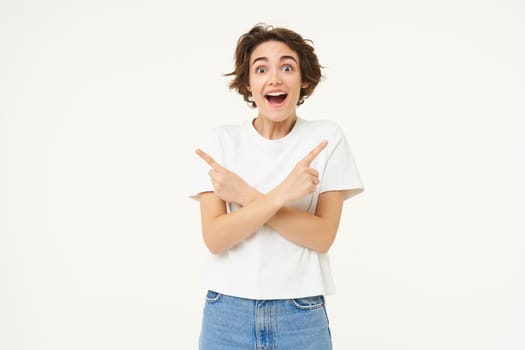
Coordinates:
[266,265]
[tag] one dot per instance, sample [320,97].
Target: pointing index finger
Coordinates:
[314,153]
[208,159]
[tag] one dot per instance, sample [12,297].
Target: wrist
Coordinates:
[278,196]
[250,196]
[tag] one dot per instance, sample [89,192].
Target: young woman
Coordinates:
[271,191]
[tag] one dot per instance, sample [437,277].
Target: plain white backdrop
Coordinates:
[101,104]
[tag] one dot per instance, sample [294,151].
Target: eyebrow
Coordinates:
[282,58]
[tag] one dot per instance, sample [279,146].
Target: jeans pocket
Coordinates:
[212,296]
[309,303]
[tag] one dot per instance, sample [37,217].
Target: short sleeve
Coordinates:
[210,144]
[340,172]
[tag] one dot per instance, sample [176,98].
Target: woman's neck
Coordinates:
[273,130]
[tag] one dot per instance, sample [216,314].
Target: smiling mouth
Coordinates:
[276,98]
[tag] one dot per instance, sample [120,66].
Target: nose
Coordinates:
[275,78]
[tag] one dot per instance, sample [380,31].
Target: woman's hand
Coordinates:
[302,180]
[229,186]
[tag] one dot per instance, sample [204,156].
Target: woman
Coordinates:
[271,191]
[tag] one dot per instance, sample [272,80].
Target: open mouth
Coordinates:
[276,98]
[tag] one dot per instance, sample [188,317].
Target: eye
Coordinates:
[287,68]
[260,69]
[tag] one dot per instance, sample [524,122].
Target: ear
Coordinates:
[304,85]
[248,88]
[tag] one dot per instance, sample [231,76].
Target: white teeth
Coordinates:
[276,93]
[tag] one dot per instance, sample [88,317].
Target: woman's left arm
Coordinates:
[315,231]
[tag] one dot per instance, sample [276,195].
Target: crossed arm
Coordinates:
[222,231]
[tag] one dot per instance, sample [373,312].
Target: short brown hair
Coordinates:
[260,33]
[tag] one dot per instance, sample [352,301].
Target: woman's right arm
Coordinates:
[222,231]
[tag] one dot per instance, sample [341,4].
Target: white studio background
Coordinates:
[101,104]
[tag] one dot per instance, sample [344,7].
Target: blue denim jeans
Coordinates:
[231,323]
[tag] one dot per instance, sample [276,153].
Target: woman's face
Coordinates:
[275,80]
